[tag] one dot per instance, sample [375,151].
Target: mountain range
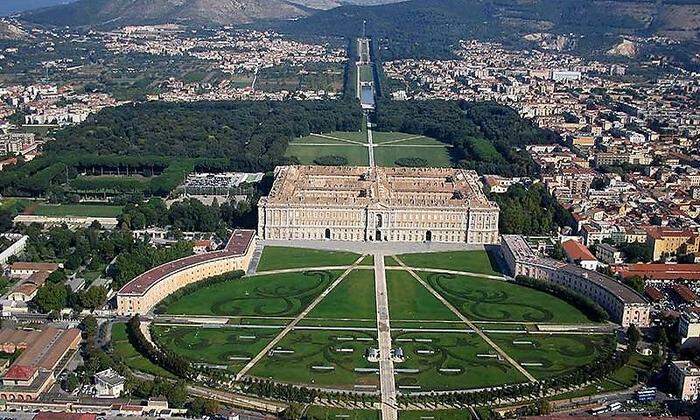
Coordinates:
[199,12]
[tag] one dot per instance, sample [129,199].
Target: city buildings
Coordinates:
[377,204]
[142,293]
[43,354]
[577,253]
[109,384]
[689,330]
[665,241]
[685,376]
[624,305]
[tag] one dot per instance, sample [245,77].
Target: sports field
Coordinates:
[328,346]
[390,149]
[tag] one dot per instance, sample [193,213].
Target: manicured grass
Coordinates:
[132,358]
[321,349]
[353,298]
[335,137]
[435,415]
[232,347]
[327,413]
[409,300]
[470,261]
[272,295]
[366,73]
[83,210]
[356,155]
[464,355]
[379,137]
[485,299]
[434,156]
[368,260]
[345,323]
[278,257]
[555,354]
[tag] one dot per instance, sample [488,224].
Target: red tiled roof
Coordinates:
[577,251]
[653,293]
[685,293]
[661,271]
[662,232]
[20,373]
[21,265]
[237,244]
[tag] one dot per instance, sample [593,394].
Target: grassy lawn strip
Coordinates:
[232,347]
[82,210]
[277,257]
[433,156]
[547,356]
[470,261]
[451,361]
[353,298]
[132,358]
[435,415]
[408,299]
[483,299]
[301,353]
[274,295]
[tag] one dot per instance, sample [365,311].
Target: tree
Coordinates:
[89,326]
[51,297]
[71,382]
[634,336]
[636,282]
[93,298]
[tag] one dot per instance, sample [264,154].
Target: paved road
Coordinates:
[295,321]
[386,365]
[370,144]
[473,326]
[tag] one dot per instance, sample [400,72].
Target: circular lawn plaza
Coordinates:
[308,317]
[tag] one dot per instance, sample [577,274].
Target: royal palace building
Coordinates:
[377,204]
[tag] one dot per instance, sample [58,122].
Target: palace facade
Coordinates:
[377,204]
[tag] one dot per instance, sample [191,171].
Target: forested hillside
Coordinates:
[484,136]
[251,135]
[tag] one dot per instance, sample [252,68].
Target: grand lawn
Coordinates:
[446,361]
[321,358]
[277,257]
[468,261]
[485,299]
[328,413]
[273,295]
[84,210]
[409,300]
[133,359]
[353,298]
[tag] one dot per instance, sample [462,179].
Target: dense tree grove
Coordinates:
[484,136]
[531,211]
[250,135]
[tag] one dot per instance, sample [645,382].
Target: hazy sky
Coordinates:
[8,7]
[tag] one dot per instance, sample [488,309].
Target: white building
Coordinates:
[109,384]
[685,376]
[689,330]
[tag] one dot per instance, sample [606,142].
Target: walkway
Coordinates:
[471,325]
[295,321]
[370,144]
[386,365]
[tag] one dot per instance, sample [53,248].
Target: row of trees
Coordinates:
[591,309]
[167,360]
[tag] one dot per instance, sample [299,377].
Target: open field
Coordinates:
[469,261]
[497,300]
[433,156]
[335,137]
[409,300]
[279,257]
[85,210]
[272,295]
[132,358]
[230,347]
[546,356]
[356,155]
[321,358]
[447,361]
[352,298]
